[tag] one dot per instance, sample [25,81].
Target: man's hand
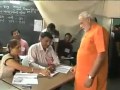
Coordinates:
[51,68]
[88,83]
[45,72]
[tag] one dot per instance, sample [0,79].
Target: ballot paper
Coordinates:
[51,75]
[25,79]
[63,69]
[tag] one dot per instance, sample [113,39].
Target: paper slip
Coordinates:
[63,69]
[25,79]
[51,75]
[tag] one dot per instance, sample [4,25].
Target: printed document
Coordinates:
[25,79]
[63,69]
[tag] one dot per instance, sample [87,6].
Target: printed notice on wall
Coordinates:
[37,25]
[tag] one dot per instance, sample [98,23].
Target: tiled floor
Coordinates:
[113,84]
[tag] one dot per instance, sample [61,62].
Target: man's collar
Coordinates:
[41,47]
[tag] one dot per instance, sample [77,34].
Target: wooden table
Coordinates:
[45,83]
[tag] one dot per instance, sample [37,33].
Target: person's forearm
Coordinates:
[36,65]
[97,64]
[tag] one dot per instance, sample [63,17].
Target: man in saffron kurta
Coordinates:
[92,61]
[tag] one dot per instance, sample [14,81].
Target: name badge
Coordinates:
[22,48]
[67,50]
[55,39]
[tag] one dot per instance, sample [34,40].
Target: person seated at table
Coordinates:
[65,46]
[10,62]
[24,45]
[51,27]
[42,54]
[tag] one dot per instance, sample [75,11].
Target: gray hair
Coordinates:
[85,14]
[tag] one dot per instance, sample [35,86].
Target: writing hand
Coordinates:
[51,68]
[45,72]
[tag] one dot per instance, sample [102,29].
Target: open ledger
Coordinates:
[25,79]
[51,75]
[59,69]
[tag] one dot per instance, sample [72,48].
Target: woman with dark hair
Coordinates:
[11,63]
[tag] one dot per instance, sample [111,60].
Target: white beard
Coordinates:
[86,29]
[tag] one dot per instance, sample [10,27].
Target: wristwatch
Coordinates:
[90,77]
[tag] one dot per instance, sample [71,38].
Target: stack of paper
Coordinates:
[25,79]
[63,69]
